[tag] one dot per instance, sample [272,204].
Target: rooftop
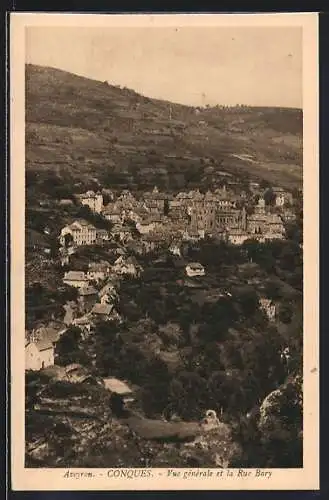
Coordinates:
[44,338]
[195,265]
[75,276]
[104,309]
[78,224]
[116,385]
[87,290]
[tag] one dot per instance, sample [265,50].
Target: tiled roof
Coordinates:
[44,344]
[77,224]
[44,338]
[46,333]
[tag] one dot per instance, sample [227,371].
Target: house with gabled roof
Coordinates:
[40,348]
[80,232]
[39,354]
[104,312]
[128,266]
[91,199]
[98,271]
[112,213]
[87,297]
[78,279]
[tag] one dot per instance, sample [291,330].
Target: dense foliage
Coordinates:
[211,346]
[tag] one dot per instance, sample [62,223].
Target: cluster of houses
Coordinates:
[159,218]
[98,289]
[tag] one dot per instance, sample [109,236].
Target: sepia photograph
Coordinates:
[162,254]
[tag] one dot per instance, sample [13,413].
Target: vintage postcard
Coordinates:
[164,252]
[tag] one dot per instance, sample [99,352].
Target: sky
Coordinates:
[196,66]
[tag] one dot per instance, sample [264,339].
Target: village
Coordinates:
[139,226]
[163,249]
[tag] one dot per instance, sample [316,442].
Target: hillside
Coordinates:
[82,129]
[72,425]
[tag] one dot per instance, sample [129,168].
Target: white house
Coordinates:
[80,232]
[195,269]
[77,279]
[39,355]
[40,349]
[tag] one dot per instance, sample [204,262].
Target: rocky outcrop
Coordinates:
[280,425]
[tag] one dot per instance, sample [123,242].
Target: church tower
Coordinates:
[260,207]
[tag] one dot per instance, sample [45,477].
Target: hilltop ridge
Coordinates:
[76,126]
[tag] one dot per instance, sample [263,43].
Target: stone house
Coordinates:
[112,213]
[98,271]
[91,199]
[87,298]
[102,235]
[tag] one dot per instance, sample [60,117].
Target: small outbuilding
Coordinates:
[195,269]
[120,388]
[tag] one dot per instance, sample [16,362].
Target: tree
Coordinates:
[272,290]
[68,348]
[68,240]
[248,302]
[188,395]
[68,294]
[108,348]
[285,312]
[280,425]
[269,197]
[264,184]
